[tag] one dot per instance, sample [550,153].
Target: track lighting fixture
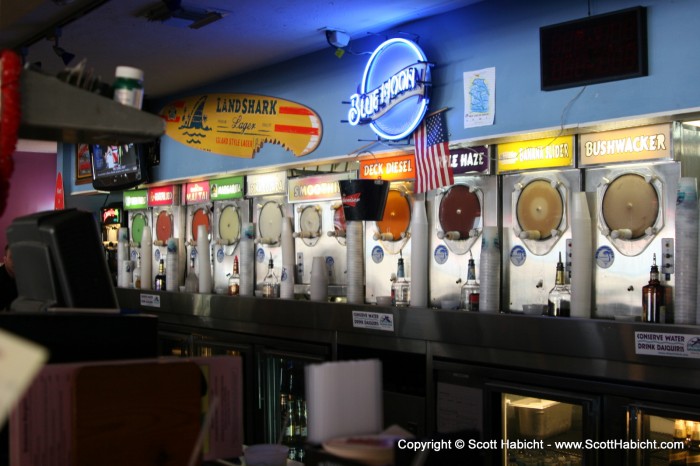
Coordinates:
[175,13]
[67,57]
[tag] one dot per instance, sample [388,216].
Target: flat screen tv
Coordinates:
[60,262]
[121,166]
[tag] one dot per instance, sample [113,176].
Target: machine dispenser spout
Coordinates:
[451,235]
[530,234]
[383,236]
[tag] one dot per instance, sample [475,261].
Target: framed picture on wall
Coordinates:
[83,167]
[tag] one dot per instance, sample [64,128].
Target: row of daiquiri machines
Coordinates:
[626,184]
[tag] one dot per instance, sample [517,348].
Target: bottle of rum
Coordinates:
[234,280]
[192,281]
[137,273]
[400,288]
[271,285]
[559,302]
[653,309]
[160,277]
[678,454]
[694,447]
[469,296]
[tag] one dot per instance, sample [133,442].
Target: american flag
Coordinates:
[433,169]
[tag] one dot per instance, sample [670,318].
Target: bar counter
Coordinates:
[580,348]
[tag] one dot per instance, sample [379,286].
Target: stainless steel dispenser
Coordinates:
[456,216]
[267,194]
[231,211]
[319,229]
[634,175]
[538,179]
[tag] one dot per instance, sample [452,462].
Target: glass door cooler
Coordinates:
[281,393]
[663,435]
[521,419]
[542,427]
[172,343]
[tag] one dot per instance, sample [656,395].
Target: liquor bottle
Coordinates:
[285,398]
[287,407]
[234,280]
[160,277]
[400,288]
[694,448]
[559,302]
[137,273]
[469,296]
[678,454]
[653,297]
[271,285]
[192,281]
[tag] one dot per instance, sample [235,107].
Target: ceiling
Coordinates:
[176,57]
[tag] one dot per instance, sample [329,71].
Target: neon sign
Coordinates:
[392,97]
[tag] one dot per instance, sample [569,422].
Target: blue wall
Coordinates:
[494,33]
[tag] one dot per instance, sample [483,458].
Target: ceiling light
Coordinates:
[337,39]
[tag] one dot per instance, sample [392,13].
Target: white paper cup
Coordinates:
[266,454]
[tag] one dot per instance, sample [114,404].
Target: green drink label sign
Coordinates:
[226,188]
[137,199]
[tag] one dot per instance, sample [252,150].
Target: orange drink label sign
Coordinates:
[389,168]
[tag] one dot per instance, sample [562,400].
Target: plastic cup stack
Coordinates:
[204,256]
[490,271]
[685,299]
[288,265]
[355,263]
[125,277]
[171,266]
[247,264]
[419,253]
[147,259]
[581,257]
[181,261]
[123,255]
[319,279]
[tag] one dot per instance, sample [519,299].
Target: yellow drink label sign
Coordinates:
[536,153]
[239,124]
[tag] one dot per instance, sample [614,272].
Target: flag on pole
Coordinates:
[433,169]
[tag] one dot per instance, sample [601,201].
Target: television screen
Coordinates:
[117,167]
[59,262]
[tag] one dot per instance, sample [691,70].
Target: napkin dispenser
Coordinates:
[343,398]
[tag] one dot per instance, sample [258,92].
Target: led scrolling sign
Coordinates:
[392,97]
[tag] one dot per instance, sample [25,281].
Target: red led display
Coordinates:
[595,49]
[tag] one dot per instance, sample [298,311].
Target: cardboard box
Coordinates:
[136,412]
